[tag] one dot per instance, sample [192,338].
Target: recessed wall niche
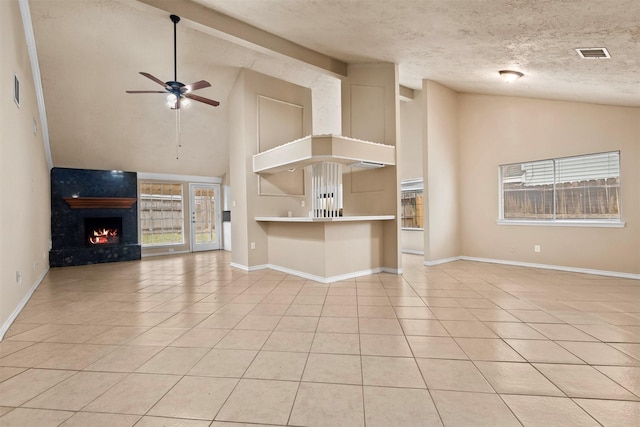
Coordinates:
[279,122]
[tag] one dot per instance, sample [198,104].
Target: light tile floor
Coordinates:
[188,341]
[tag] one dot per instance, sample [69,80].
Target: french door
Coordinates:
[205,217]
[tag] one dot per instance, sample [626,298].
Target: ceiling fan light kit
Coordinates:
[179,94]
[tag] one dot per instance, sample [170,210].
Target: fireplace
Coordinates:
[94,217]
[102,231]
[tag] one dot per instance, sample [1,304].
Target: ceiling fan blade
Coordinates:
[155,79]
[202,99]
[146,91]
[195,86]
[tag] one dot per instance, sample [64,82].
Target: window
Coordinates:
[161,213]
[412,204]
[581,188]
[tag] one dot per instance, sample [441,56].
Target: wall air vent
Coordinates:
[593,53]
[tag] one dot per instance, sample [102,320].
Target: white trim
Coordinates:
[564,223]
[315,278]
[25,300]
[161,253]
[431,263]
[412,252]
[252,268]
[535,265]
[398,271]
[555,267]
[180,178]
[37,79]
[329,279]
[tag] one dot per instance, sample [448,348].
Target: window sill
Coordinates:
[412,229]
[161,245]
[568,223]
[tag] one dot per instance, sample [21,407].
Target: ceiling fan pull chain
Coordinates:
[178,142]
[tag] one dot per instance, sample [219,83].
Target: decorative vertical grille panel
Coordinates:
[326,190]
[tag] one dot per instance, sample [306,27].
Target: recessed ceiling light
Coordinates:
[510,75]
[593,53]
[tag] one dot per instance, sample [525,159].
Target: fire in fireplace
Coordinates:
[103,231]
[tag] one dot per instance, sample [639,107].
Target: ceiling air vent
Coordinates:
[593,53]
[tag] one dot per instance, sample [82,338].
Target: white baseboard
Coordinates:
[330,279]
[397,271]
[441,261]
[246,268]
[556,267]
[412,252]
[25,300]
[315,278]
[534,265]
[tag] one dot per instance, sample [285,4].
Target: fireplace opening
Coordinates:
[103,231]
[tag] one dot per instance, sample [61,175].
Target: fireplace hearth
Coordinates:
[100,227]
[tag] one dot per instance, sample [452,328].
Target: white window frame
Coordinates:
[182,204]
[613,223]
[412,185]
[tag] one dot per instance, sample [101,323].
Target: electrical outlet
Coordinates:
[35,265]
[233,203]
[536,248]
[171,250]
[18,277]
[253,245]
[302,203]
[513,250]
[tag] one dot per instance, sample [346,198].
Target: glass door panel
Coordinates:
[205,218]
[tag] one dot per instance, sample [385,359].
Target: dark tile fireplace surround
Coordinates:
[94,217]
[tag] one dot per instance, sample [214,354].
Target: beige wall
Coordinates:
[24,175]
[248,134]
[327,250]
[410,152]
[497,130]
[410,157]
[371,111]
[298,246]
[441,166]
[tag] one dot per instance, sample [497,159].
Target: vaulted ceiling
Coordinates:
[91,51]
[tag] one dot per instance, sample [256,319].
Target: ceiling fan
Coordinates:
[179,93]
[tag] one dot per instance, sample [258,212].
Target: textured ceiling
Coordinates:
[463,43]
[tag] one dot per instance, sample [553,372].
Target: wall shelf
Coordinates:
[100,202]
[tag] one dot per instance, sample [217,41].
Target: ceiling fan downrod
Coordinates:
[175,19]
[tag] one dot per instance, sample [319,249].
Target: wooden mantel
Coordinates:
[100,202]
